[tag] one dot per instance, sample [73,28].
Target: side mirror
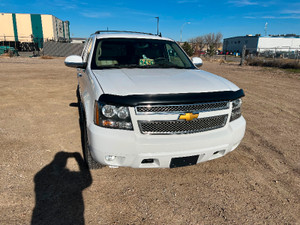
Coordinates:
[197,61]
[75,61]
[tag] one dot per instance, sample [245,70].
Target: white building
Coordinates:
[258,44]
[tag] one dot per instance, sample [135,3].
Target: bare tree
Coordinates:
[213,42]
[193,44]
[201,43]
[197,43]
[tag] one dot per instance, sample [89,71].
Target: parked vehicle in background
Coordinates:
[145,104]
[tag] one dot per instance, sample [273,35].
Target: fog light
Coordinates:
[110,158]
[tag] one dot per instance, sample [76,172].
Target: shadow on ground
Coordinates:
[59,191]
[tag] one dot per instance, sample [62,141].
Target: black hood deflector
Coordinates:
[170,99]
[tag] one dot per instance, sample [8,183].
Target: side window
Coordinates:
[83,54]
[87,50]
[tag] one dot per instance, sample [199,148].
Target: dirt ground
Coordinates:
[43,180]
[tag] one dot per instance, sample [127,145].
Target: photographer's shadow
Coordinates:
[59,191]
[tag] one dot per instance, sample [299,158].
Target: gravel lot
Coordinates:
[258,183]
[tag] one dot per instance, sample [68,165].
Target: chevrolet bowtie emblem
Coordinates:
[188,116]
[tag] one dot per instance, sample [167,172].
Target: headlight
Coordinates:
[109,111]
[236,109]
[112,116]
[123,112]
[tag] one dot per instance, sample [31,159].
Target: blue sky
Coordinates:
[230,17]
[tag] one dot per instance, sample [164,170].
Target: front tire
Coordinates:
[90,162]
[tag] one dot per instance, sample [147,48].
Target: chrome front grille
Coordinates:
[182,126]
[168,109]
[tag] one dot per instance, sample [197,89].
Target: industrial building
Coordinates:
[257,44]
[20,28]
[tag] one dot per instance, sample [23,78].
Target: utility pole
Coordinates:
[266,28]
[157,24]
[225,50]
[243,55]
[182,29]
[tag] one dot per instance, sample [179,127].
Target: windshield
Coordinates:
[138,53]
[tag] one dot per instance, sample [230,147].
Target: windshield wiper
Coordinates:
[119,66]
[127,66]
[170,66]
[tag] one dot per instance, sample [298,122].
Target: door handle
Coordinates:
[79,74]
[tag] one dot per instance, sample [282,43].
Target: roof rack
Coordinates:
[125,31]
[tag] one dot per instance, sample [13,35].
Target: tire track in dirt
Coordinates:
[276,169]
[258,183]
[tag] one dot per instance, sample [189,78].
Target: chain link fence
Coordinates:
[274,53]
[62,49]
[41,46]
[284,57]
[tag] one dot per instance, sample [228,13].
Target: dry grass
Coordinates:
[7,55]
[4,55]
[278,63]
[47,57]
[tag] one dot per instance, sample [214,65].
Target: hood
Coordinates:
[160,81]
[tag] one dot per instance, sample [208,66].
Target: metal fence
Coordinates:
[35,44]
[62,49]
[274,53]
[23,43]
[269,57]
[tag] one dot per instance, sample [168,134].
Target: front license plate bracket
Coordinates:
[184,161]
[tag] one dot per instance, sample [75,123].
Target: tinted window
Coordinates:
[138,53]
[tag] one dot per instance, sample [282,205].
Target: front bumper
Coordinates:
[130,149]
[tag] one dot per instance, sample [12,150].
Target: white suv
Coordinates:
[145,104]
